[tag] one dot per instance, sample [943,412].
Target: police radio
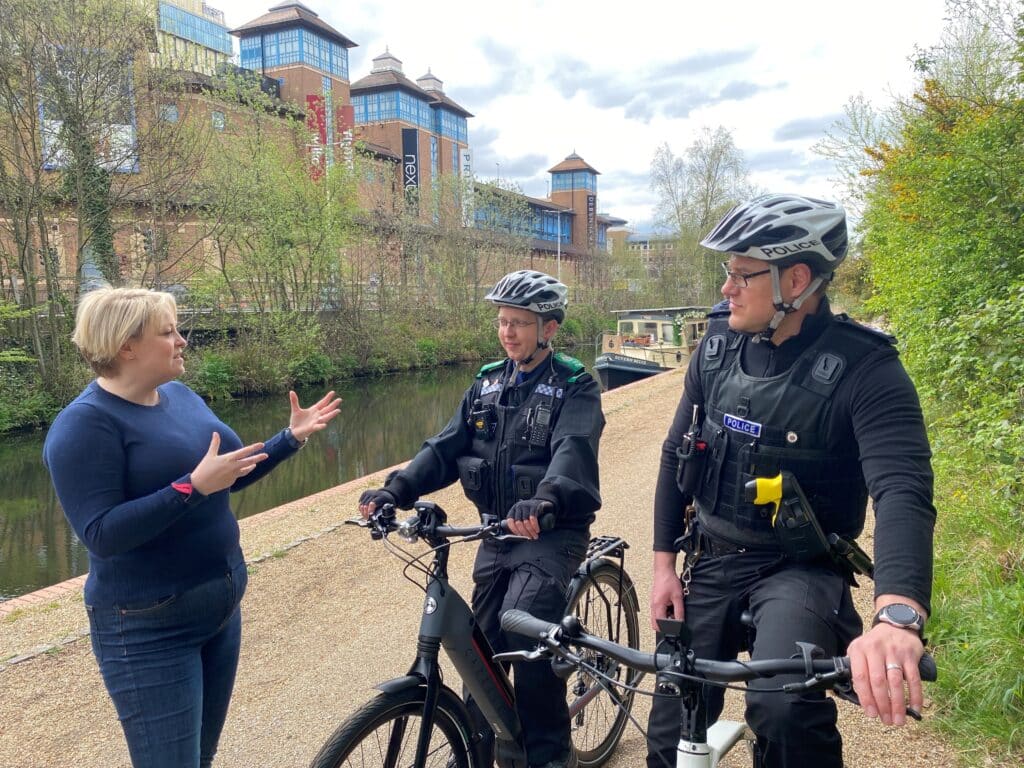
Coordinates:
[537,425]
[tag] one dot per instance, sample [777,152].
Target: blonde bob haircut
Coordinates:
[108,317]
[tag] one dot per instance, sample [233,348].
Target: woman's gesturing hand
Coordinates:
[218,471]
[306,421]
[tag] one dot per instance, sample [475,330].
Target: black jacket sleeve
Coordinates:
[669,501]
[895,457]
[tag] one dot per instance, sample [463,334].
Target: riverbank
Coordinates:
[328,615]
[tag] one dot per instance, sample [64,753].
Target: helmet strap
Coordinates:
[542,344]
[783,308]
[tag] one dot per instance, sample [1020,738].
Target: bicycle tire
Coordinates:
[596,600]
[379,734]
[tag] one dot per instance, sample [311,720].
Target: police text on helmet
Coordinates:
[788,248]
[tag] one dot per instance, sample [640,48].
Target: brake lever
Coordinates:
[534,655]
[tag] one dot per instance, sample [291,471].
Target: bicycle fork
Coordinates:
[448,623]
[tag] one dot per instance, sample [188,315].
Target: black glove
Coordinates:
[523,510]
[379,497]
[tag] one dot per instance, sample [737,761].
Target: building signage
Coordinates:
[466,173]
[316,122]
[410,158]
[591,221]
[411,166]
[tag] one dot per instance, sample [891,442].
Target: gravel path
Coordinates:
[328,615]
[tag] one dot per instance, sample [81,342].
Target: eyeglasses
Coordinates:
[739,279]
[518,325]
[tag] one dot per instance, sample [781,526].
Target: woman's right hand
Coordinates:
[218,471]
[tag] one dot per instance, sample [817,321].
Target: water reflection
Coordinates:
[382,422]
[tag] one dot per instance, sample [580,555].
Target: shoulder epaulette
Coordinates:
[576,368]
[873,332]
[721,309]
[489,367]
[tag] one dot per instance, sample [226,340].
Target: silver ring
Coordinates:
[894,666]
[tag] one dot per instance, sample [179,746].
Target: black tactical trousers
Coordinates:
[789,602]
[532,576]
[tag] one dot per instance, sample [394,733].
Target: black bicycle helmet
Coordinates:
[782,230]
[533,291]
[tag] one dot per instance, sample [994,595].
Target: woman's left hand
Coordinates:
[305,421]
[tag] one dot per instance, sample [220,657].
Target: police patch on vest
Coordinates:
[489,387]
[736,424]
[547,389]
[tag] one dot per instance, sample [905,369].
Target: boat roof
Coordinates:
[669,312]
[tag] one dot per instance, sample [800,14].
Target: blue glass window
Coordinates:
[180,23]
[169,113]
[452,125]
[566,180]
[291,46]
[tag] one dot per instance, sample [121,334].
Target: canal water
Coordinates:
[383,422]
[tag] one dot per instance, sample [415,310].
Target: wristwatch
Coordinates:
[900,615]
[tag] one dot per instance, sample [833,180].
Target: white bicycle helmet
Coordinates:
[782,230]
[534,291]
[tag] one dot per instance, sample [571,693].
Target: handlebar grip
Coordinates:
[926,666]
[546,520]
[522,623]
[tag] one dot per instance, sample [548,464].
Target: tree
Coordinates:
[92,180]
[694,192]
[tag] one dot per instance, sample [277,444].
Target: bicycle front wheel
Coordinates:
[383,733]
[605,602]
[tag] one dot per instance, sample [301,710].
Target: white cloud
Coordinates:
[613,81]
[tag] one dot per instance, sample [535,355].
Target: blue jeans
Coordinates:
[169,667]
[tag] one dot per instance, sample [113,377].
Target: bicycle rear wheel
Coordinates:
[605,602]
[384,732]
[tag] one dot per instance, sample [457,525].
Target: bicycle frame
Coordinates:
[447,622]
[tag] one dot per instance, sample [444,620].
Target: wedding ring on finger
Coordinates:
[890,665]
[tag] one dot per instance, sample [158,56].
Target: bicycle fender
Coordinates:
[401,683]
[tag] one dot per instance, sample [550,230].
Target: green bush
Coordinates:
[212,378]
[314,368]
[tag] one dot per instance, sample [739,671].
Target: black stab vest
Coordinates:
[504,464]
[757,427]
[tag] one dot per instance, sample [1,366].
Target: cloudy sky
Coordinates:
[613,81]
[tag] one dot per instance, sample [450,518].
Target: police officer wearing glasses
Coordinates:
[781,384]
[523,443]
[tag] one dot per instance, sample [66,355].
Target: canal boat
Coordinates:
[648,341]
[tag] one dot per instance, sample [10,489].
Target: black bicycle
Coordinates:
[568,646]
[419,721]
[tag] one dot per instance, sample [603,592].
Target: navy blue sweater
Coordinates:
[112,464]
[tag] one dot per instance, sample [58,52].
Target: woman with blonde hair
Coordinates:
[143,469]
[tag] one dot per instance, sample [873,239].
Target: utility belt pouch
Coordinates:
[692,455]
[526,478]
[793,521]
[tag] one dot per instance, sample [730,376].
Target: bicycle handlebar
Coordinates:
[556,636]
[425,520]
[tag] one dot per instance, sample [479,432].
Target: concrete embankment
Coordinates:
[327,615]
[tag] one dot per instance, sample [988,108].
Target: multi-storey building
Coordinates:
[416,120]
[309,59]
[192,36]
